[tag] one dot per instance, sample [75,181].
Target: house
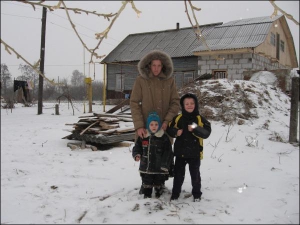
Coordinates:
[230,50]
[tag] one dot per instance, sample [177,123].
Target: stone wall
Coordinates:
[236,64]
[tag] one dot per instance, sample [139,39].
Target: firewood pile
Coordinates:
[103,128]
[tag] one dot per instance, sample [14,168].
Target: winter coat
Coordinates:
[154,93]
[189,144]
[155,152]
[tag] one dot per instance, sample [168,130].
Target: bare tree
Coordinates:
[5,78]
[97,90]
[77,78]
[29,74]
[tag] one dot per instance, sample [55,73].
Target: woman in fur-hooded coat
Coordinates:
[154,93]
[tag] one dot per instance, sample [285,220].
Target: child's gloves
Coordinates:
[137,158]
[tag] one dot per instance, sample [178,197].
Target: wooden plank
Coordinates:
[110,119]
[69,137]
[91,119]
[112,110]
[106,126]
[86,116]
[112,115]
[117,131]
[126,119]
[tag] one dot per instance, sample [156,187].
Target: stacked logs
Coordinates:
[103,128]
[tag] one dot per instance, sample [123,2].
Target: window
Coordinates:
[282,46]
[219,74]
[119,82]
[272,39]
[188,77]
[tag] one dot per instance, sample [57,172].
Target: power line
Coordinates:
[82,26]
[52,65]
[20,16]
[53,14]
[56,25]
[80,33]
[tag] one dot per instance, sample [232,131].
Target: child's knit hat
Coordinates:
[153,117]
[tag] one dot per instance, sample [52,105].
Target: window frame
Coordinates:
[224,73]
[273,39]
[120,84]
[282,45]
[188,76]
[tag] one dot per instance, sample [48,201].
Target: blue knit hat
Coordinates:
[153,117]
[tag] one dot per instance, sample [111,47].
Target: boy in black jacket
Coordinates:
[155,153]
[189,129]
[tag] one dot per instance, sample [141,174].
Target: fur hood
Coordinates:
[144,65]
[159,133]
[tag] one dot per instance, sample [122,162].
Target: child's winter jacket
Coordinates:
[155,151]
[189,144]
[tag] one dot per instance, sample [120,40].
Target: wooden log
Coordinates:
[117,131]
[86,116]
[88,127]
[83,144]
[89,119]
[126,119]
[69,137]
[110,119]
[94,148]
[106,126]
[111,115]
[73,146]
[112,110]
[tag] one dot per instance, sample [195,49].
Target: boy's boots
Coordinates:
[147,192]
[158,191]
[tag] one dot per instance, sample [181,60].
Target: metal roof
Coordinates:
[183,42]
[245,33]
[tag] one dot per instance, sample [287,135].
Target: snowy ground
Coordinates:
[246,177]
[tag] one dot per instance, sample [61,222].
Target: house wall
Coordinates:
[130,73]
[270,50]
[182,65]
[236,64]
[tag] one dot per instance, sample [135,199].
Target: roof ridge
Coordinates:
[184,28]
[251,20]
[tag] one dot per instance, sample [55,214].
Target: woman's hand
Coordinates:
[141,132]
[164,126]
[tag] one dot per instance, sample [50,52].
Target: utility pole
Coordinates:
[42,57]
[294,110]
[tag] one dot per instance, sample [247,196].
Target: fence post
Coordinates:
[56,109]
[294,110]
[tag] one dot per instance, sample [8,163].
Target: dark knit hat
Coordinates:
[153,117]
[189,95]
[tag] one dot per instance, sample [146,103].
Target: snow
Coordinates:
[250,173]
[264,77]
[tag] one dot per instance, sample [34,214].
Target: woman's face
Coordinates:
[156,67]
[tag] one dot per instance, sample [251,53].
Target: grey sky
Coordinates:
[21,28]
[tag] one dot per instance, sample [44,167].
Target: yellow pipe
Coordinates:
[104,86]
[90,97]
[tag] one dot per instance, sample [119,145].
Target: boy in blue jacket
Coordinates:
[154,152]
[189,128]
